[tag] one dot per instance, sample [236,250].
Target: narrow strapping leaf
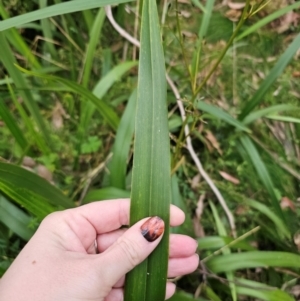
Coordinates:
[104,109]
[151,179]
[277,14]
[271,78]
[220,114]
[231,262]
[261,291]
[15,219]
[262,172]
[31,191]
[55,10]
[118,164]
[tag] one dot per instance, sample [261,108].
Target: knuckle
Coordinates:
[51,218]
[131,251]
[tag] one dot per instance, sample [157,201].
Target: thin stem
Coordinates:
[231,243]
[182,47]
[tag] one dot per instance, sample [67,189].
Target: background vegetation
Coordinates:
[67,109]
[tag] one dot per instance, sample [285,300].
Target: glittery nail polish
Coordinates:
[153,228]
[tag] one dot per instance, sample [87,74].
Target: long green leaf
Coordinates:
[270,110]
[151,179]
[220,114]
[111,77]
[105,110]
[31,191]
[13,127]
[101,89]
[56,10]
[14,37]
[266,211]
[47,32]
[182,296]
[262,172]
[277,14]
[33,137]
[217,242]
[177,200]
[107,193]
[15,219]
[209,293]
[236,261]
[207,12]
[284,118]
[118,163]
[261,291]
[91,47]
[222,232]
[271,78]
[8,61]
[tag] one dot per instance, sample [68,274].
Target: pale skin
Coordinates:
[60,262]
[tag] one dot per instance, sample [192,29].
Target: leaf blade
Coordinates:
[55,10]
[236,261]
[275,72]
[151,179]
[31,191]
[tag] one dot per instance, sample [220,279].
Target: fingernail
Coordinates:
[153,228]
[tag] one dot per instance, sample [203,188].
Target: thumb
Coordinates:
[130,249]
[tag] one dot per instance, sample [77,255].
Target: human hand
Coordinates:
[60,262]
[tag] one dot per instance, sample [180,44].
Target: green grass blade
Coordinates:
[218,242]
[107,193]
[12,126]
[277,14]
[199,5]
[37,195]
[209,293]
[105,110]
[284,118]
[47,32]
[9,62]
[261,291]
[262,172]
[91,47]
[56,10]
[17,42]
[182,296]
[177,200]
[111,77]
[265,210]
[151,179]
[118,163]
[220,114]
[222,232]
[201,34]
[15,219]
[271,78]
[14,37]
[267,111]
[100,90]
[88,18]
[34,136]
[236,261]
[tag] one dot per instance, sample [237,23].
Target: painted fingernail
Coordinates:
[153,228]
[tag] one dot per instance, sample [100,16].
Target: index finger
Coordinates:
[106,216]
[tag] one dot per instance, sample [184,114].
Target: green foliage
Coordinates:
[68,101]
[151,178]
[30,191]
